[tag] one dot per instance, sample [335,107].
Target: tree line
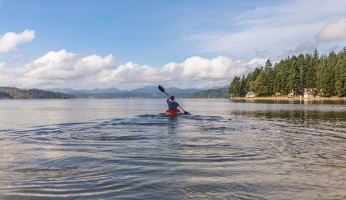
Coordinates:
[16,93]
[326,74]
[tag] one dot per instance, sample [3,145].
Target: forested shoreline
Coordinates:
[16,93]
[326,74]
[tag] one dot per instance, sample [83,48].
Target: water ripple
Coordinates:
[179,157]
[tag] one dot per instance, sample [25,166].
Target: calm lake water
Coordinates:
[128,149]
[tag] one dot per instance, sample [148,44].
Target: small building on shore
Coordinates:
[310,93]
[250,95]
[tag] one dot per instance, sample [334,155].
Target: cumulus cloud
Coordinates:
[56,69]
[65,69]
[9,41]
[193,72]
[334,31]
[64,65]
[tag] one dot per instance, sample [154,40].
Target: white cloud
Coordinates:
[9,41]
[56,69]
[64,65]
[65,69]
[334,31]
[193,72]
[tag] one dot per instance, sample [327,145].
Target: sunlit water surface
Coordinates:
[128,149]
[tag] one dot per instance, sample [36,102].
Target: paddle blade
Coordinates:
[161,88]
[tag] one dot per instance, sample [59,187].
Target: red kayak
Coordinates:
[173,112]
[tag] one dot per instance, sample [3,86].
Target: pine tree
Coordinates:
[339,88]
[268,79]
[234,88]
[243,87]
[325,73]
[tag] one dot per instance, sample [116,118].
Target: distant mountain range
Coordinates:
[144,92]
[111,93]
[147,89]
[220,93]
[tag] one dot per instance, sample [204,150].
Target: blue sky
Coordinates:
[85,44]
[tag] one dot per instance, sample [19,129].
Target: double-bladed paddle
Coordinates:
[163,90]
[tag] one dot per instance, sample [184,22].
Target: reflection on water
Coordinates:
[340,101]
[295,116]
[245,150]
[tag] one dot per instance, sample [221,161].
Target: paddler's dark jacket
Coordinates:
[172,105]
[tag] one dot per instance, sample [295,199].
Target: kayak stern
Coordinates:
[173,112]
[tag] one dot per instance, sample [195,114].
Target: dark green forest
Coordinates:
[16,93]
[326,74]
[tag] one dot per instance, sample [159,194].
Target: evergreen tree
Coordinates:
[280,78]
[294,74]
[258,86]
[316,55]
[252,76]
[310,73]
[235,86]
[267,78]
[339,88]
[243,87]
[325,73]
[340,69]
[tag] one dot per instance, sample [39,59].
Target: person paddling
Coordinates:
[169,101]
[172,106]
